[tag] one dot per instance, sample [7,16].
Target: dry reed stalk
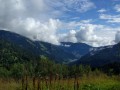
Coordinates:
[26,86]
[23,81]
[42,83]
[39,86]
[76,83]
[46,82]
[34,80]
[50,81]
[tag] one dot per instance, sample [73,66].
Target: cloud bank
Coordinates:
[117,37]
[87,34]
[41,20]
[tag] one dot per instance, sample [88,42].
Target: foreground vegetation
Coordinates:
[45,74]
[101,82]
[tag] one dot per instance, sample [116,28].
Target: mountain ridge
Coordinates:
[110,54]
[59,53]
[67,52]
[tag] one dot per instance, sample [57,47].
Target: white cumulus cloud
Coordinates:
[36,30]
[117,7]
[102,10]
[40,20]
[110,18]
[88,34]
[117,37]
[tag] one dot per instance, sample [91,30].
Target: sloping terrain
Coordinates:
[101,57]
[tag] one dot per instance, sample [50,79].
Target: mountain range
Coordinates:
[67,52]
[101,56]
[64,53]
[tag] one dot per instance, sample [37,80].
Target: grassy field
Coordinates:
[101,82]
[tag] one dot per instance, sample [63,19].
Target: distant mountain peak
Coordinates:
[101,56]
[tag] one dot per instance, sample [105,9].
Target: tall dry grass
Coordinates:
[101,82]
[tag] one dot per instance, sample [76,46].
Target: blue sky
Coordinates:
[94,22]
[94,12]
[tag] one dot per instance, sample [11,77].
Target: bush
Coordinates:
[17,71]
[4,73]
